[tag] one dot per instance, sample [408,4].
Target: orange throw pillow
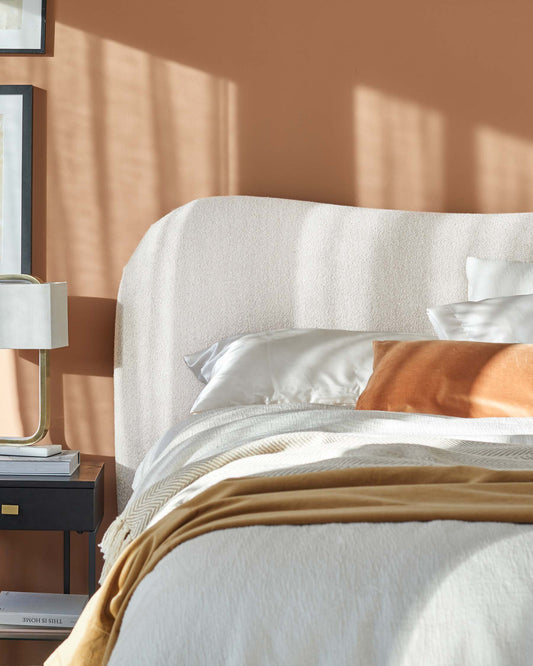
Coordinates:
[454,378]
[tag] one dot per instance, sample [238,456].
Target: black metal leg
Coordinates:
[66,562]
[92,562]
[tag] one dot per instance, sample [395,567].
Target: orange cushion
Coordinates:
[470,379]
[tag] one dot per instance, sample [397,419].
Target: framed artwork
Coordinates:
[22,26]
[16,110]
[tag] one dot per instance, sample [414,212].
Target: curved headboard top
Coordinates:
[225,265]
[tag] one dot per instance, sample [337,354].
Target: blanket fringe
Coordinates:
[116,538]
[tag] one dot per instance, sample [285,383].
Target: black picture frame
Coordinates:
[18,257]
[41,49]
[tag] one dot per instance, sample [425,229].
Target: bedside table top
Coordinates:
[74,502]
[86,476]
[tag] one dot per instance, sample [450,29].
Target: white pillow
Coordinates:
[506,319]
[201,363]
[491,278]
[290,366]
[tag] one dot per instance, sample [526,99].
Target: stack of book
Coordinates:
[38,460]
[40,610]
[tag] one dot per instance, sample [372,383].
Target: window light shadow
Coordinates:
[460,570]
[399,152]
[504,171]
[159,130]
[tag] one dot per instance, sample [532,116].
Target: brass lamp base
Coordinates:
[44,381]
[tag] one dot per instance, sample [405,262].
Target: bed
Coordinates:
[371,588]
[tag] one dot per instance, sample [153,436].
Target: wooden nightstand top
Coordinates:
[86,476]
[74,502]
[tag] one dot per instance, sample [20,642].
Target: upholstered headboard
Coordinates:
[223,265]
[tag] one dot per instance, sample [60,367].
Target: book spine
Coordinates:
[37,620]
[30,468]
[39,467]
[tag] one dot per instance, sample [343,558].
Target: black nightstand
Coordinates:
[63,503]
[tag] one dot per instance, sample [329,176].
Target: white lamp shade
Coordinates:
[33,316]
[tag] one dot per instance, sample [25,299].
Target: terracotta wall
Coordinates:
[143,106]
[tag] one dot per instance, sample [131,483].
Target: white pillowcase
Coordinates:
[491,278]
[202,363]
[506,319]
[289,366]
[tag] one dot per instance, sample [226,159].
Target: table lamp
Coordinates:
[33,315]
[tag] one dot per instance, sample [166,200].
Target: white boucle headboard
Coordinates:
[224,265]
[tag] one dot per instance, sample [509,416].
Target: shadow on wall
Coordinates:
[399,152]
[149,135]
[295,69]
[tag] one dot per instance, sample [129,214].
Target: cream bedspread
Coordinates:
[243,441]
[439,593]
[354,495]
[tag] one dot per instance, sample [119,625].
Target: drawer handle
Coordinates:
[10,509]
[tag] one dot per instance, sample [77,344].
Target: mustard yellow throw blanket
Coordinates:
[371,494]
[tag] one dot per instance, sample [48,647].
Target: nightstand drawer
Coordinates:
[60,503]
[56,509]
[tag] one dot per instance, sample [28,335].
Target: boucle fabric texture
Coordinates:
[226,265]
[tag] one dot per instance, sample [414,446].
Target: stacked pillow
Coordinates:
[491,278]
[500,305]
[476,368]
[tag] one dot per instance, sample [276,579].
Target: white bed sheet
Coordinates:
[440,593]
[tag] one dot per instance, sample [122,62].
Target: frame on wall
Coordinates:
[22,26]
[16,130]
